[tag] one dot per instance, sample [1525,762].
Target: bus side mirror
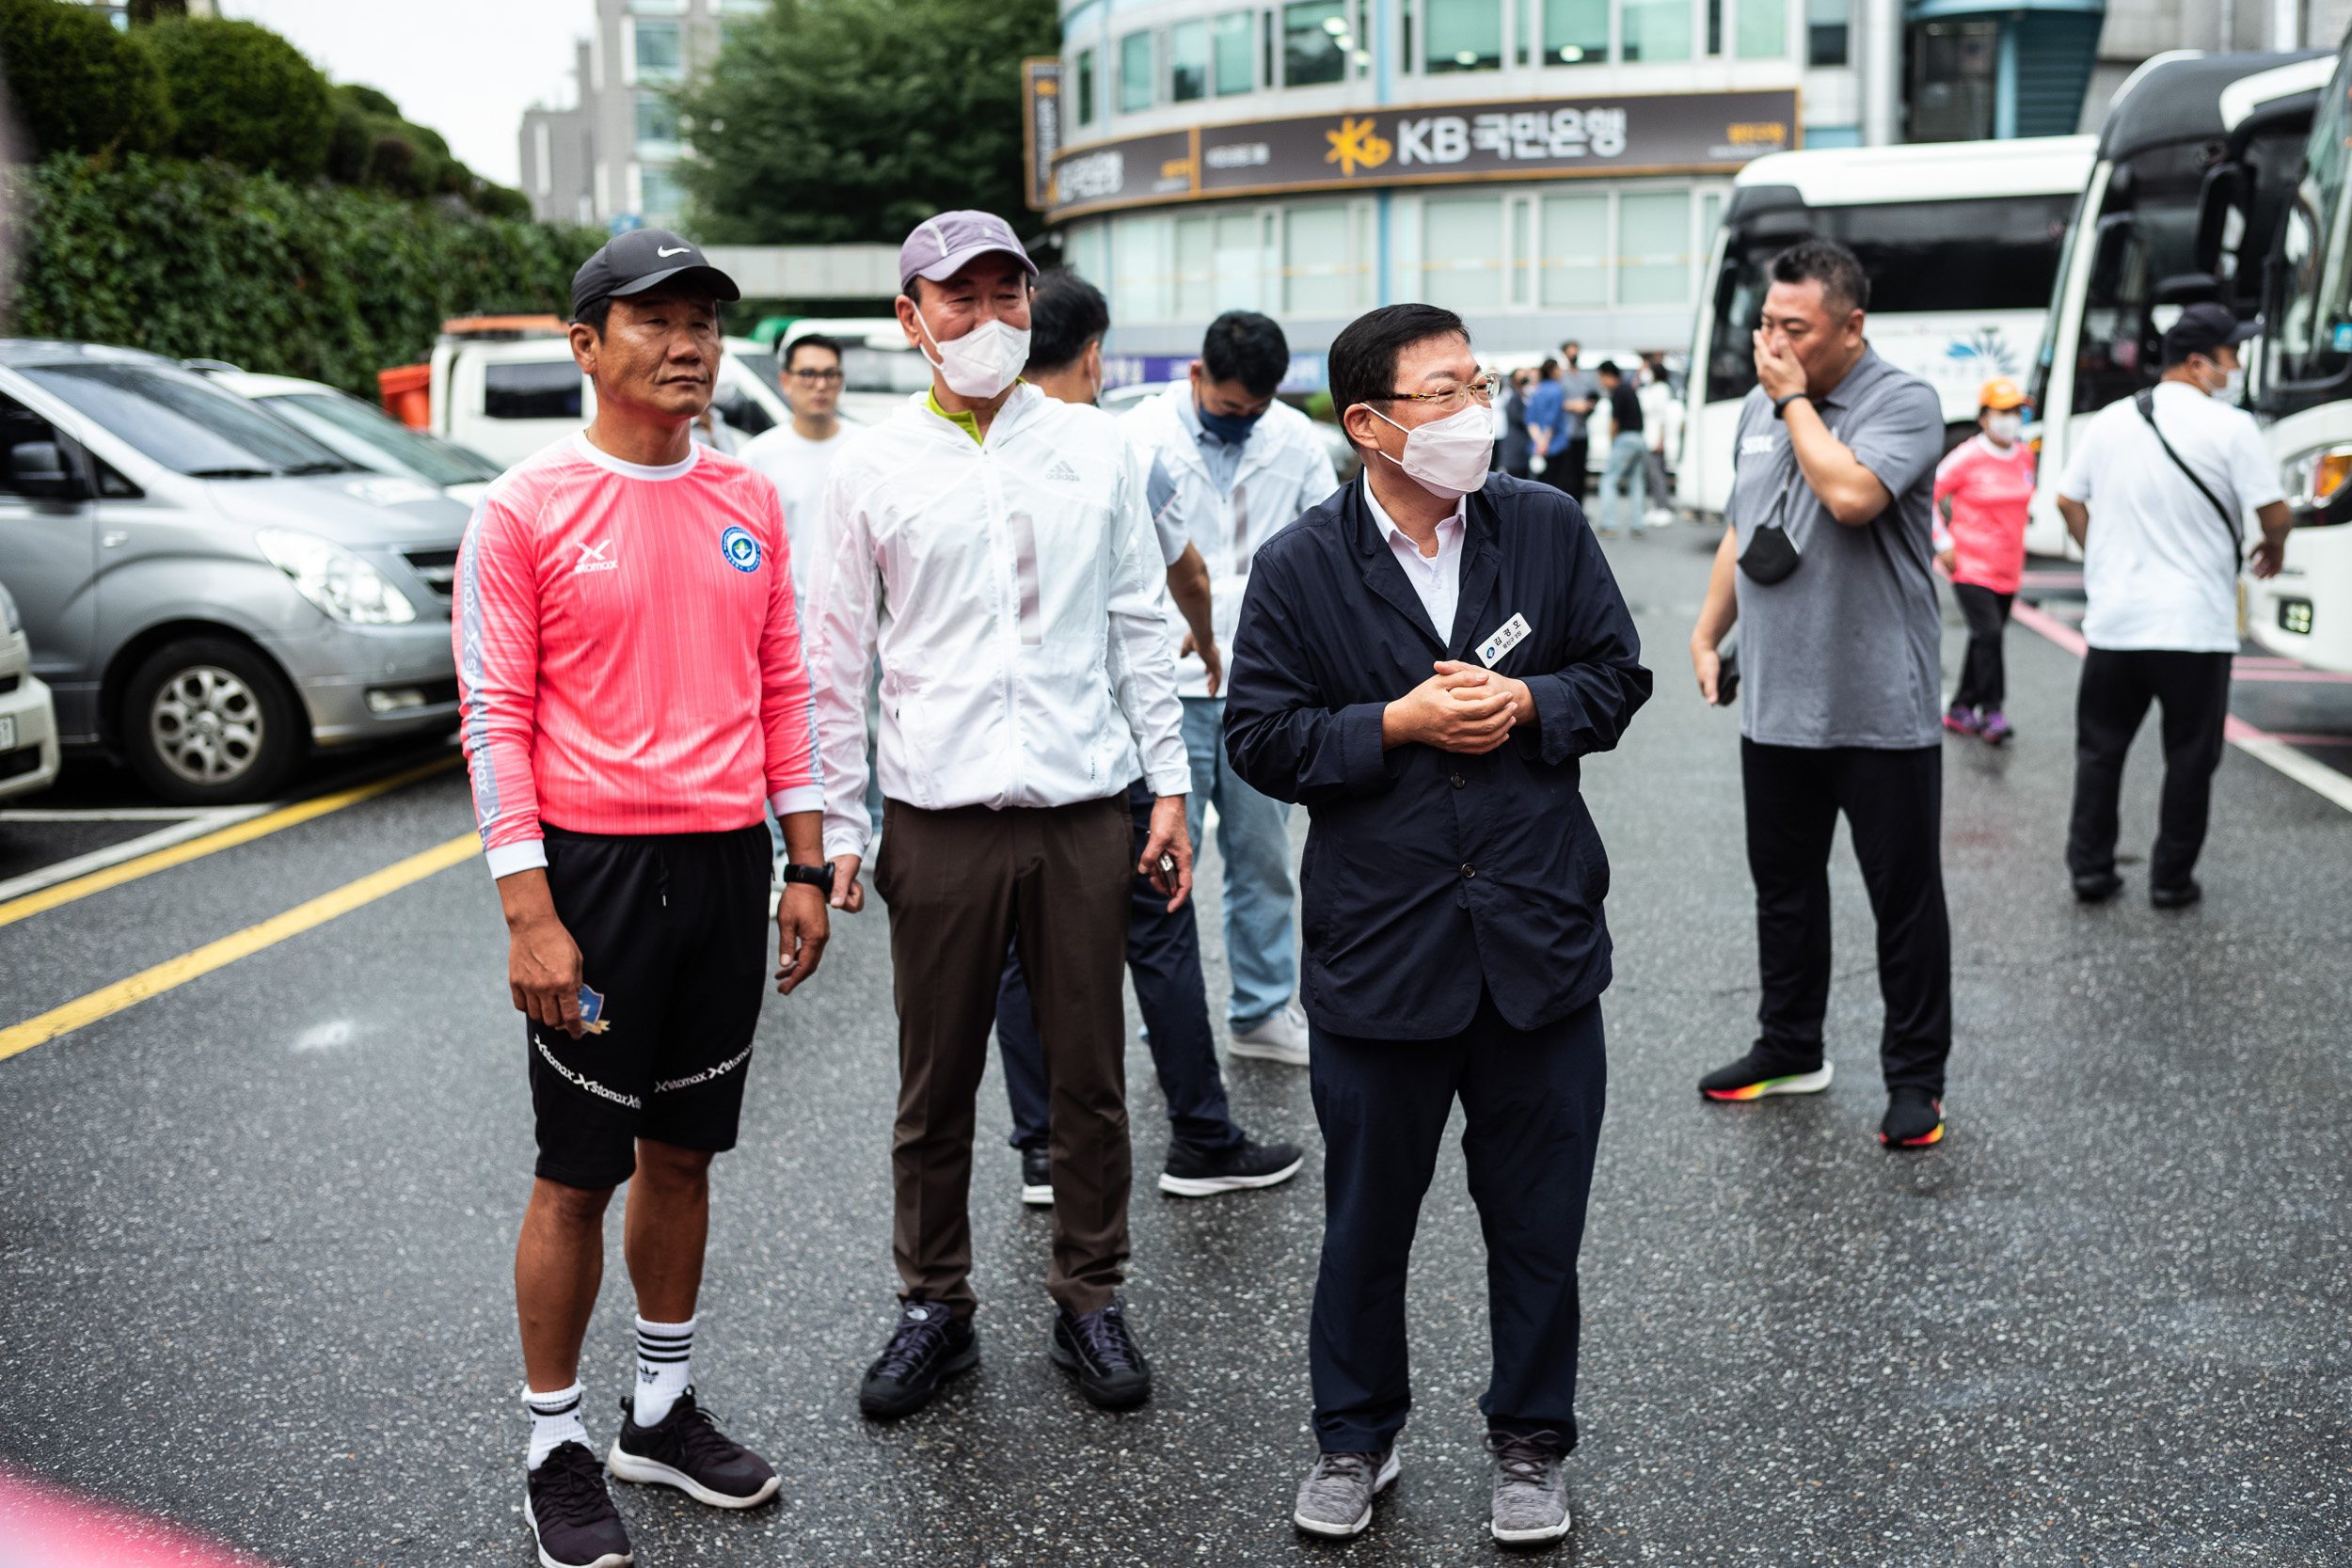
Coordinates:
[2222,194]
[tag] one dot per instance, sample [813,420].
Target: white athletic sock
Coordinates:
[554,1419]
[664,1352]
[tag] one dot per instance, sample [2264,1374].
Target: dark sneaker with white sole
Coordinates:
[1196,1172]
[1100,1351]
[928,1346]
[1037,1177]
[686,1449]
[1752,1078]
[1914,1119]
[1336,1497]
[1530,1491]
[572,1516]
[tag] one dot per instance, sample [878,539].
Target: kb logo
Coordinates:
[741,551]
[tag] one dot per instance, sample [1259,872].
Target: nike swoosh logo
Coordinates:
[679,251]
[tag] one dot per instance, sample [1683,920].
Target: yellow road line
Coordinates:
[227,838]
[228,950]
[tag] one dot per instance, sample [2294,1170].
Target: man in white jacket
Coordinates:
[993,546]
[1245,466]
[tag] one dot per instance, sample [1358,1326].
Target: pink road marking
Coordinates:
[2057,631]
[41,1527]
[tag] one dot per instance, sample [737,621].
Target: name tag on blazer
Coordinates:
[1509,636]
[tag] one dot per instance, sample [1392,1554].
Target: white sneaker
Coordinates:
[1281,1038]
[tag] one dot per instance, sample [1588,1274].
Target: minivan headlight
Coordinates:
[339,582]
[2311,479]
[11,622]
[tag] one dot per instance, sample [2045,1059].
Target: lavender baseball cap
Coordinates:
[940,246]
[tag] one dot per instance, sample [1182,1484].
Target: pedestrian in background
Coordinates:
[797,456]
[1547,425]
[1207,1152]
[1624,483]
[1424,660]
[1660,417]
[1516,447]
[993,547]
[1825,567]
[1983,488]
[2171,472]
[1580,394]
[1244,463]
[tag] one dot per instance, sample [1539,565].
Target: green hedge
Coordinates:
[198,260]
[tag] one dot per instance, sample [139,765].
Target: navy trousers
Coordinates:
[1163,958]
[1533,1101]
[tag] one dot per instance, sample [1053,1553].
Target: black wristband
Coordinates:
[815,876]
[1780,406]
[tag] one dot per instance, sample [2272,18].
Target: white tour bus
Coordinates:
[1962,242]
[2197,160]
[2303,384]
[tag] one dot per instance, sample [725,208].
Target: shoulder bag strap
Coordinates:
[2145,400]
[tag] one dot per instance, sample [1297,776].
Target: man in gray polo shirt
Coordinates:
[1825,564]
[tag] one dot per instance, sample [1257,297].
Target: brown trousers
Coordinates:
[963,885]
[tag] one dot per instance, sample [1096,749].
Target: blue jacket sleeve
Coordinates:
[1584,706]
[1281,734]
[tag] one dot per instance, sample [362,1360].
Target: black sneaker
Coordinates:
[686,1449]
[572,1516]
[2176,898]
[1749,1078]
[1196,1172]
[2097,887]
[1914,1119]
[1100,1351]
[1037,1177]
[928,1346]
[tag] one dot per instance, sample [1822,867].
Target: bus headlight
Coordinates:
[339,582]
[2312,479]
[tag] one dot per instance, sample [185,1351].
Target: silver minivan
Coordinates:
[210,592]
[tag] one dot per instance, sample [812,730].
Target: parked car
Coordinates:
[209,592]
[361,431]
[28,723]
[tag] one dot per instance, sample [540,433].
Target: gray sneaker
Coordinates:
[1335,1497]
[1531,1489]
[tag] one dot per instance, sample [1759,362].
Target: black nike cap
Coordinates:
[643,259]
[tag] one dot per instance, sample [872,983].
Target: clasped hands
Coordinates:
[1460,708]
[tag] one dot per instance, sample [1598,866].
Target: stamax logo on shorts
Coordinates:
[593,559]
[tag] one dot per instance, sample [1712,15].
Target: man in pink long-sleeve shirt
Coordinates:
[633,695]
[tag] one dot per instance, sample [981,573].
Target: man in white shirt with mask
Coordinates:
[993,546]
[1245,466]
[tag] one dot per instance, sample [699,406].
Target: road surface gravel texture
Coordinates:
[256,1234]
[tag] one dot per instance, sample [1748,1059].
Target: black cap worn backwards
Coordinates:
[643,259]
[2203,329]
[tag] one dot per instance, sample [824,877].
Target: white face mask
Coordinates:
[2232,388]
[1447,457]
[2003,427]
[981,363]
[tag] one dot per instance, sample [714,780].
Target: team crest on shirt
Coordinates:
[741,551]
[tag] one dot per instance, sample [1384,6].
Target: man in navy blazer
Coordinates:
[1423,660]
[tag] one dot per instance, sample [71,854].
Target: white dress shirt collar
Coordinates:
[1437,579]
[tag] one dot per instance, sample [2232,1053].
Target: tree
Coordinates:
[245,95]
[830,120]
[77,84]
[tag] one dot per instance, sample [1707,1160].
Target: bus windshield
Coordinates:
[2146,233]
[2310,340]
[2001,254]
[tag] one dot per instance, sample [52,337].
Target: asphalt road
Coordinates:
[256,1232]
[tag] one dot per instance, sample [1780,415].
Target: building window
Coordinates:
[1461,252]
[1231,45]
[1139,269]
[542,160]
[1654,246]
[1188,61]
[1574,236]
[1086,86]
[1135,74]
[658,7]
[1826,24]
[1576,32]
[657,126]
[1464,35]
[1318,272]
[1953,76]
[658,51]
[1714,28]
[1311,52]
[744,7]
[1657,29]
[1763,31]
[664,197]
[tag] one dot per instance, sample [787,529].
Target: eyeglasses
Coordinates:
[814,375]
[1452,399]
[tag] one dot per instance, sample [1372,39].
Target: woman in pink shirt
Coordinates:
[1981,488]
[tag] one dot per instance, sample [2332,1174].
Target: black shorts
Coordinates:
[673,933]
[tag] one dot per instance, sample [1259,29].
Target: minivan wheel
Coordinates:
[211,722]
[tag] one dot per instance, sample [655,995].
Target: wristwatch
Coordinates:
[1780,406]
[815,876]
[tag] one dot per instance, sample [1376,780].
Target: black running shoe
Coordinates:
[1037,1177]
[572,1516]
[1749,1078]
[686,1449]
[927,1348]
[1196,1172]
[2176,898]
[1914,1119]
[2097,887]
[1100,1351]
